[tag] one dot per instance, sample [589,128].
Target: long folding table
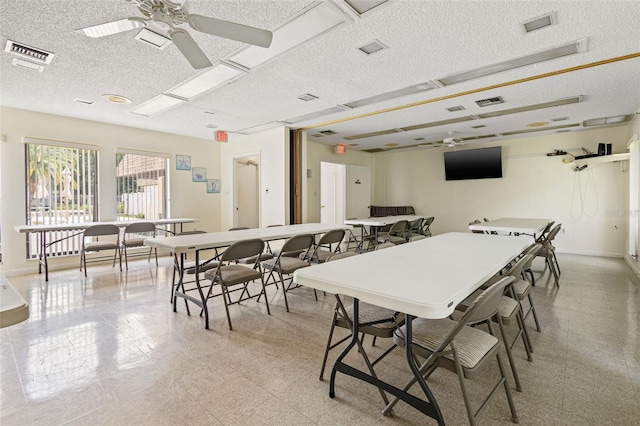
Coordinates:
[44,229]
[513,226]
[425,278]
[375,223]
[181,245]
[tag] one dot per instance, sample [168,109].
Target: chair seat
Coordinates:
[100,245]
[472,344]
[508,307]
[288,265]
[192,269]
[252,260]
[233,274]
[134,242]
[376,316]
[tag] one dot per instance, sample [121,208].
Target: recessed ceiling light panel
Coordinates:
[363,6]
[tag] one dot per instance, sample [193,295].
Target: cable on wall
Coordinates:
[580,196]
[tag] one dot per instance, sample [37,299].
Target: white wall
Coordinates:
[634,131]
[16,124]
[533,185]
[272,148]
[313,153]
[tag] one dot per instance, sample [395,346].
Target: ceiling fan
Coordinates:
[450,141]
[164,15]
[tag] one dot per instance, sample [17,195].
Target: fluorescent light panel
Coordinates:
[153,39]
[313,115]
[109,28]
[260,128]
[416,88]
[371,135]
[546,55]
[205,81]
[156,105]
[606,120]
[310,24]
[563,101]
[539,129]
[363,6]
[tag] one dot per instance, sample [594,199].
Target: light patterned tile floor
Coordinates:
[109,350]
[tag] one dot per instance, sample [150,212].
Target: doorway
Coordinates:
[246,178]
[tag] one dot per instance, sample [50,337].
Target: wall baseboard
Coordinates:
[633,264]
[591,253]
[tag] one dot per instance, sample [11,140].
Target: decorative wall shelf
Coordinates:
[600,159]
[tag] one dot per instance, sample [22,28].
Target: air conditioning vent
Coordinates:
[490,101]
[328,132]
[317,135]
[84,101]
[31,53]
[456,108]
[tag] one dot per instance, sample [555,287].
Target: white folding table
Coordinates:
[196,243]
[13,307]
[426,278]
[513,225]
[378,222]
[44,229]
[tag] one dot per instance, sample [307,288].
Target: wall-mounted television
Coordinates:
[483,163]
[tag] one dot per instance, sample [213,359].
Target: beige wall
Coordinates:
[313,154]
[272,149]
[15,124]
[634,134]
[588,203]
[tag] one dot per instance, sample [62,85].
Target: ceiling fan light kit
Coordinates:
[166,15]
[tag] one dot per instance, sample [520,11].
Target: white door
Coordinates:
[327,193]
[358,191]
[247,203]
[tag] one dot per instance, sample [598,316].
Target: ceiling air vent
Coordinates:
[540,22]
[35,55]
[456,108]
[490,101]
[373,47]
[328,132]
[317,135]
[307,97]
[479,126]
[84,101]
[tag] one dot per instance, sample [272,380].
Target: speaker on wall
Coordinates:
[601,149]
[609,149]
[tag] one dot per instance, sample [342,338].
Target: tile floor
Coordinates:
[109,350]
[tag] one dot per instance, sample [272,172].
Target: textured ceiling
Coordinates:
[426,40]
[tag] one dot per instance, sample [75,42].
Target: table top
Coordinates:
[425,278]
[530,226]
[382,221]
[84,225]
[13,307]
[193,242]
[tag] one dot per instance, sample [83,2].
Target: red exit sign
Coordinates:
[221,136]
[340,149]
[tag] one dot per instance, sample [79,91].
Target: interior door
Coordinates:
[358,191]
[247,208]
[327,193]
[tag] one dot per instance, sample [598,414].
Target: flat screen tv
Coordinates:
[483,163]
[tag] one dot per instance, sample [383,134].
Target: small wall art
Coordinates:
[183,162]
[213,186]
[199,174]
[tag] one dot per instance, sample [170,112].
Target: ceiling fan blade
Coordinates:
[231,30]
[109,28]
[189,48]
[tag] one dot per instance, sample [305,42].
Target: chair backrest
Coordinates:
[554,232]
[238,228]
[476,231]
[331,237]
[547,228]
[243,249]
[485,219]
[400,227]
[533,251]
[486,304]
[338,256]
[297,243]
[521,265]
[97,230]
[416,225]
[426,224]
[139,227]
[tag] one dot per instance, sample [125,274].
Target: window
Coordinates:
[141,185]
[61,187]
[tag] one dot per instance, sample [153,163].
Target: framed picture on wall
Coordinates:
[213,186]
[199,174]
[183,162]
